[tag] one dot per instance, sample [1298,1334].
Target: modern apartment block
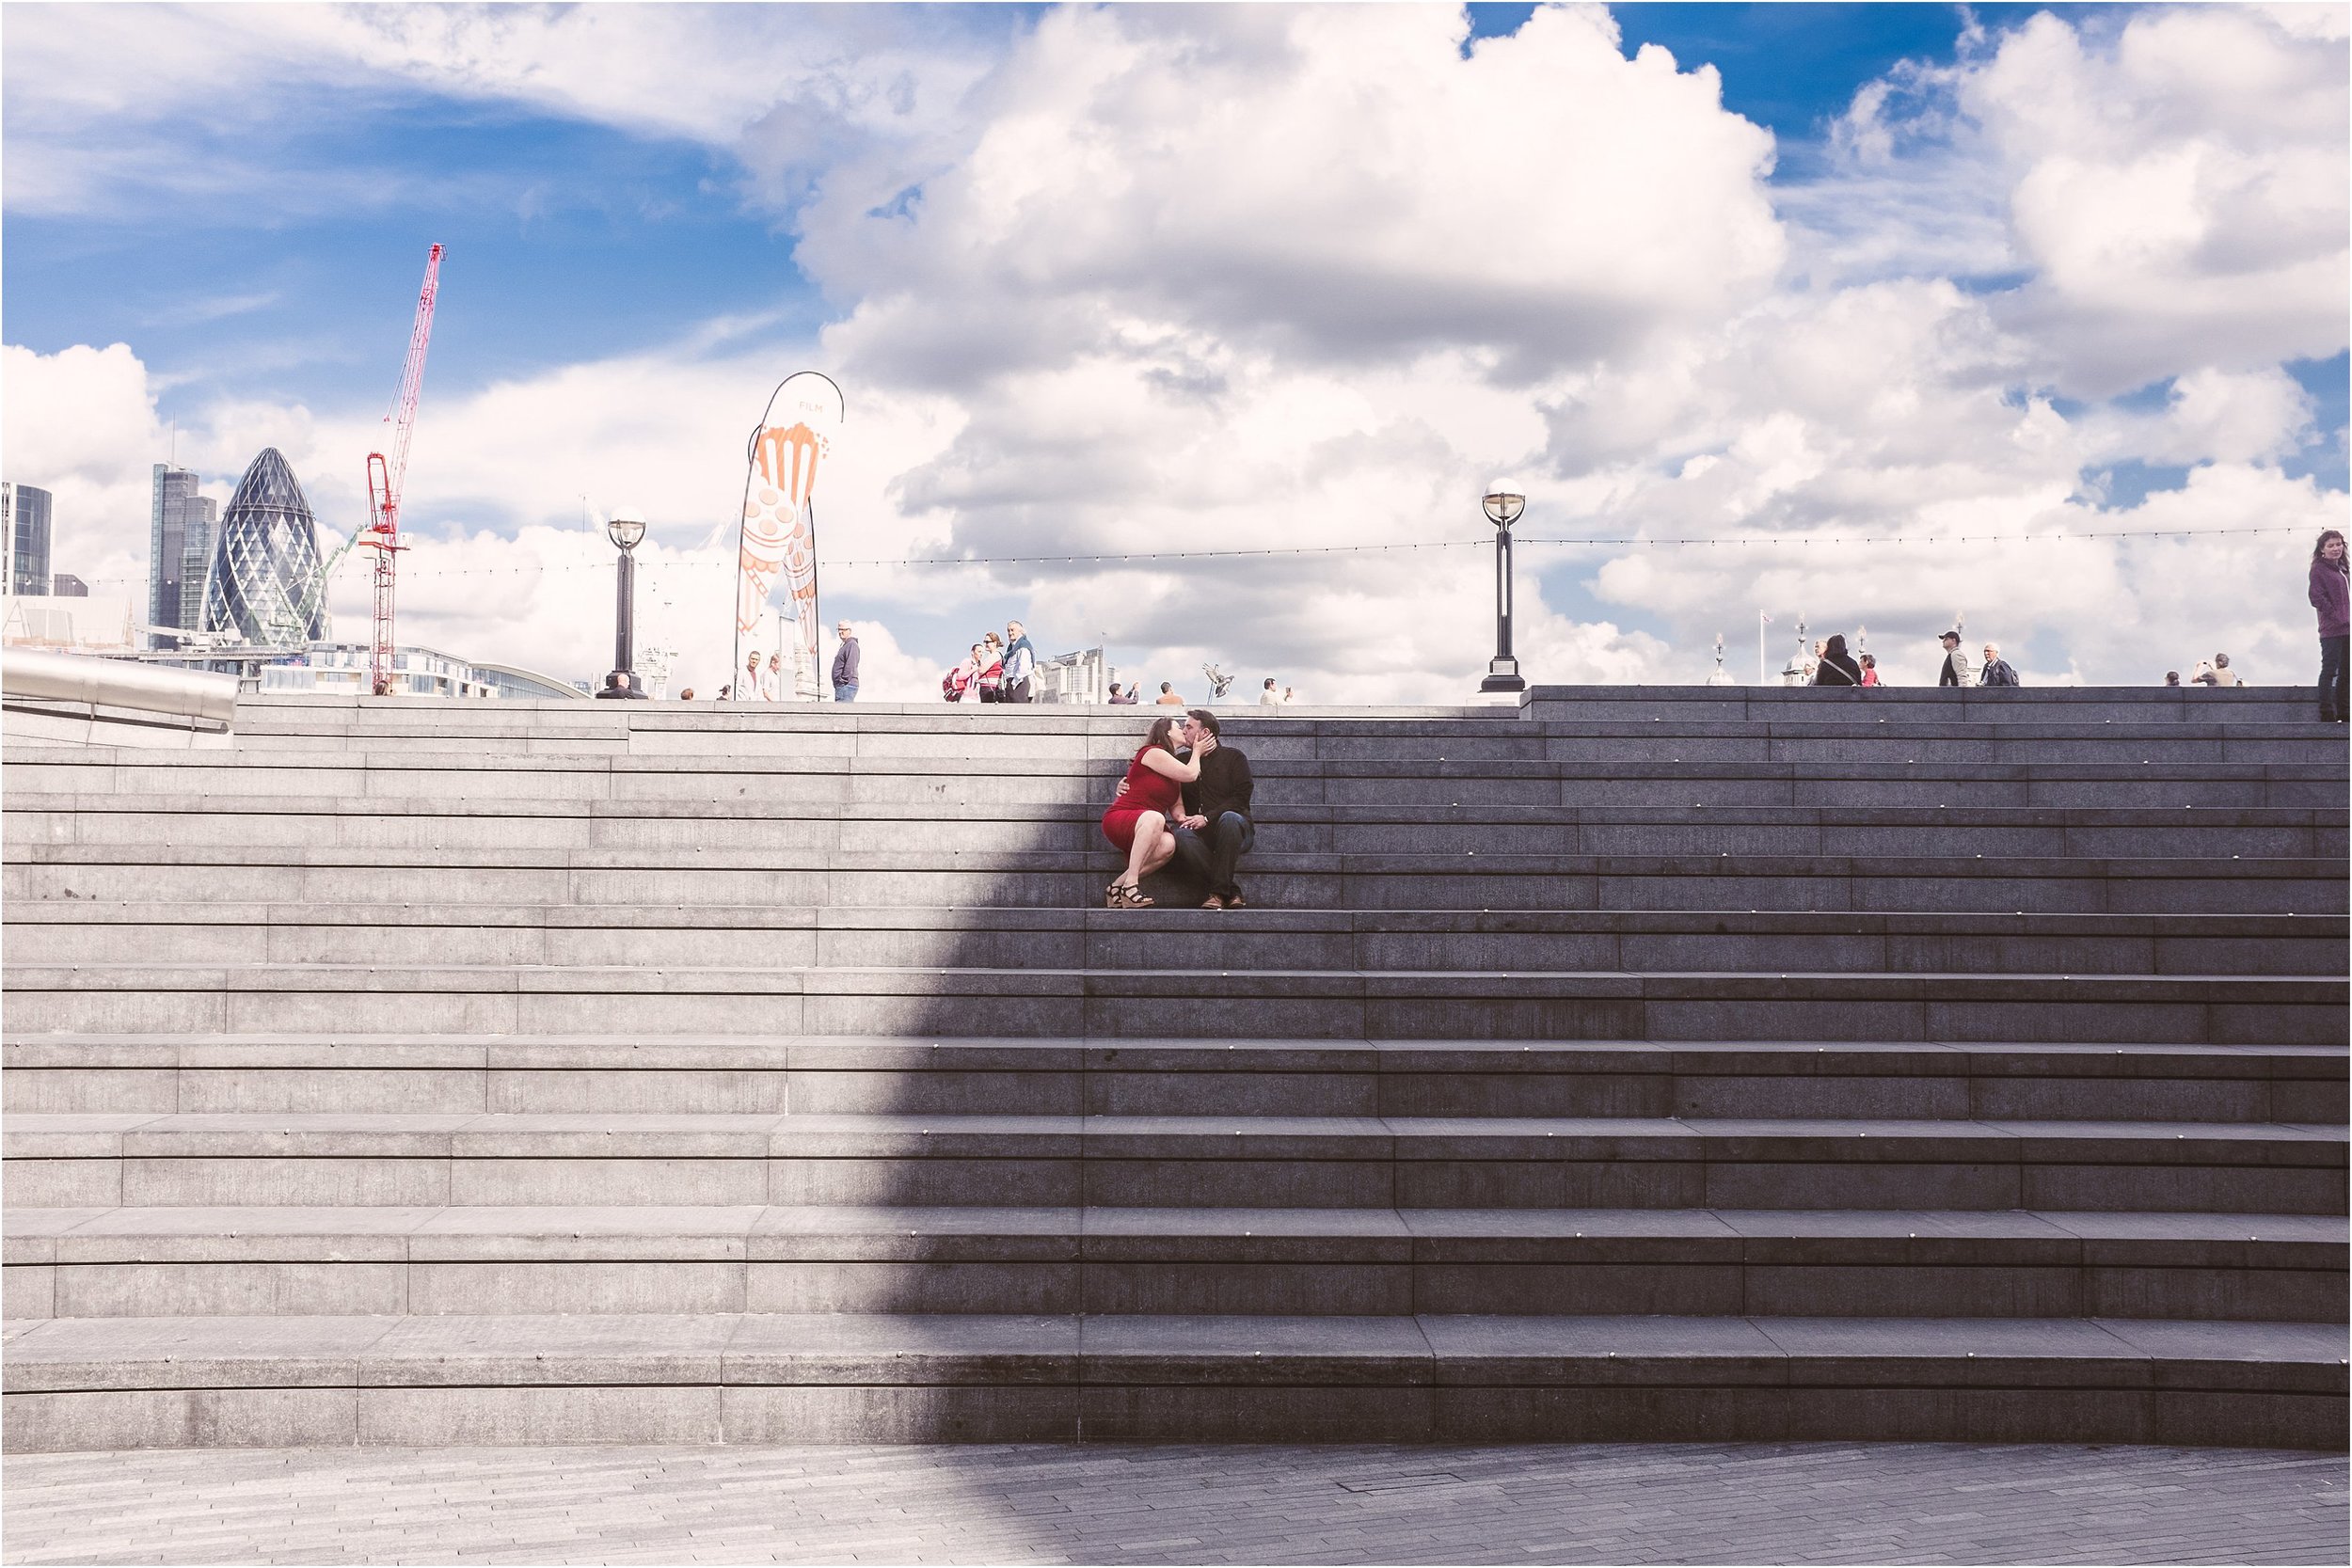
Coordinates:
[25,525]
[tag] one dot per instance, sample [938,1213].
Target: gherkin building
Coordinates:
[264,586]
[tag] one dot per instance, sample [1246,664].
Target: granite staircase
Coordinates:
[1638,1063]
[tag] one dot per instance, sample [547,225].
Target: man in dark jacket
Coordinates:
[1215,830]
[845,661]
[617,684]
[1996,670]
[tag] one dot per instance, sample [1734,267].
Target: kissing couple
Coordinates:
[1186,797]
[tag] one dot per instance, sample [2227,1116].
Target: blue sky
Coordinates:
[249,214]
[572,240]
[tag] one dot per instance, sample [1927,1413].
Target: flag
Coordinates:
[779,530]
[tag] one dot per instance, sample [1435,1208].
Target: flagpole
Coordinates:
[1763,659]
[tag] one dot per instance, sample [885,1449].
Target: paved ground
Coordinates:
[1680,1503]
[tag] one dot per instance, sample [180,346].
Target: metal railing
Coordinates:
[118,683]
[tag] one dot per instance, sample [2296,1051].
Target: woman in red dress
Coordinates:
[1138,817]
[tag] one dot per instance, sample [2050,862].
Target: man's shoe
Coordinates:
[1212,902]
[1234,901]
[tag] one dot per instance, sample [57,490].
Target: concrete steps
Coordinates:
[67,932]
[1669,1063]
[900,1377]
[148,1262]
[771,1076]
[1300,1004]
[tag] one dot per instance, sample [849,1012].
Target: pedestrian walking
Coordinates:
[845,663]
[747,689]
[1020,665]
[1955,662]
[1834,666]
[772,680]
[2330,582]
[1996,671]
[1870,669]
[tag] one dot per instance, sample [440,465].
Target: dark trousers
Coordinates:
[1211,851]
[1016,692]
[2332,652]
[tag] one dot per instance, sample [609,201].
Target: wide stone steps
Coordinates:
[114,1383]
[83,1160]
[1298,1004]
[929,777]
[129,820]
[773,1076]
[53,931]
[1693,1063]
[713,874]
[503,1261]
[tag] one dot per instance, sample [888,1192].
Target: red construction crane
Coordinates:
[384,478]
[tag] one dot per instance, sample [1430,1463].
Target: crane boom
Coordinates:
[386,475]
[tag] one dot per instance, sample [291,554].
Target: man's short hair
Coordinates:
[2222,662]
[1168,686]
[1991,647]
[1204,718]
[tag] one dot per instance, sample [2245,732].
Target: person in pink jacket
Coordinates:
[2329,596]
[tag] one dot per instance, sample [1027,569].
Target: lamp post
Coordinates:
[624,532]
[1503,671]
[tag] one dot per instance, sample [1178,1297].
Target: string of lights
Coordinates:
[1593,542]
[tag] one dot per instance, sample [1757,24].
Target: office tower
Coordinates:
[25,511]
[65,585]
[264,585]
[176,518]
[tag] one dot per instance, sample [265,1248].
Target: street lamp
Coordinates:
[624,533]
[1503,671]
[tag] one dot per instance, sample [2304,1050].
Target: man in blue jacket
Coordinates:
[1996,671]
[1020,665]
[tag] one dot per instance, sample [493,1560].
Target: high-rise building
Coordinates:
[264,586]
[65,585]
[25,522]
[179,548]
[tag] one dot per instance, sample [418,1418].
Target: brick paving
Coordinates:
[1889,1503]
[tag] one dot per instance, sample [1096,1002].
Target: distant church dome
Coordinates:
[264,581]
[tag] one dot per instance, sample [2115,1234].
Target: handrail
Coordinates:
[118,683]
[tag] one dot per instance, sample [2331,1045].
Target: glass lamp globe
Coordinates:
[626,531]
[1503,507]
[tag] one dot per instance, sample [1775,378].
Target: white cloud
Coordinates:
[2171,184]
[1236,279]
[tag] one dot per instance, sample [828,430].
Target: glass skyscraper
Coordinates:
[264,584]
[25,514]
[179,548]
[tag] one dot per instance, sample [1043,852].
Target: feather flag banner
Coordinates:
[795,436]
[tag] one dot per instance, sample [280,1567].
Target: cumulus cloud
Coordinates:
[2171,186]
[1126,280]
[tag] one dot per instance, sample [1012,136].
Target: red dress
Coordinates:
[1146,791]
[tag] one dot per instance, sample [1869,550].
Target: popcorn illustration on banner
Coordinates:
[779,527]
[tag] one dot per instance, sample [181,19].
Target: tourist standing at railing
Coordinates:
[845,663]
[1955,662]
[991,680]
[1020,665]
[2328,597]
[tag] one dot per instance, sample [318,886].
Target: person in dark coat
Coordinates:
[1837,667]
[2329,582]
[1996,671]
[1215,830]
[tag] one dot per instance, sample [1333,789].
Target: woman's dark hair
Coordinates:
[1163,735]
[1870,661]
[2319,551]
[1837,648]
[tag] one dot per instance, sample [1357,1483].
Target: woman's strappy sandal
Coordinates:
[1131,897]
[1114,897]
